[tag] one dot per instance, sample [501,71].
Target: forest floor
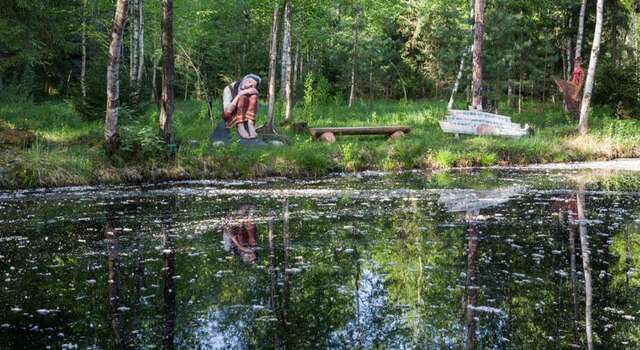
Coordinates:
[69,151]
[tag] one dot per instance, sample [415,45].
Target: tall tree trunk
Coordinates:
[509,84]
[273,53]
[286,61]
[286,40]
[544,80]
[140,66]
[354,55]
[568,53]
[476,102]
[83,67]
[296,71]
[113,79]
[583,9]
[583,125]
[168,76]
[154,79]
[133,49]
[456,85]
[520,95]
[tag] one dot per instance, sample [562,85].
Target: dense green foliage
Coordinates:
[404,50]
[407,48]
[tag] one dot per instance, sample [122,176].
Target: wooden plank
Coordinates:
[381,130]
[481,123]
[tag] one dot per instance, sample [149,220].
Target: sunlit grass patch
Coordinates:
[69,150]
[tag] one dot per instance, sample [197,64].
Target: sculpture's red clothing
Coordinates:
[577,78]
[571,89]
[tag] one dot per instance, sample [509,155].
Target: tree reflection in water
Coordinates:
[168,283]
[586,266]
[472,280]
[113,267]
[388,269]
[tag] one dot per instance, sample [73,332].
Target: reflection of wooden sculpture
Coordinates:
[240,236]
[571,88]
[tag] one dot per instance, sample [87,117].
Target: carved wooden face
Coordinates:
[248,84]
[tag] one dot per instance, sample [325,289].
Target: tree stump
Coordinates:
[396,135]
[327,137]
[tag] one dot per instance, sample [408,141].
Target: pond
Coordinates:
[458,259]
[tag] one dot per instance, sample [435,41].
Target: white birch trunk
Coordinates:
[286,61]
[273,53]
[354,55]
[583,9]
[140,66]
[456,85]
[583,125]
[286,45]
[113,79]
[478,34]
[296,57]
[83,67]
[133,48]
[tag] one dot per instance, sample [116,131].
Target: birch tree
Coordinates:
[583,9]
[140,66]
[583,125]
[168,75]
[354,55]
[478,33]
[136,54]
[113,79]
[273,53]
[286,61]
[468,49]
[83,65]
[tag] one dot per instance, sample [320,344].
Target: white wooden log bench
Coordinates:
[329,134]
[482,123]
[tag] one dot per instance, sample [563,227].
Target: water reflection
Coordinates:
[586,266]
[113,267]
[168,283]
[488,267]
[239,233]
[472,282]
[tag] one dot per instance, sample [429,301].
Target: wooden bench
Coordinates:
[482,123]
[329,134]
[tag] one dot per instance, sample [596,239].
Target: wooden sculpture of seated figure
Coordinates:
[571,88]
[240,105]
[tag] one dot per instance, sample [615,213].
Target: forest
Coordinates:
[144,81]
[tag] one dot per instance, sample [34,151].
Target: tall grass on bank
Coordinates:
[68,150]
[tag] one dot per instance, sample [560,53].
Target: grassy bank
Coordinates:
[68,150]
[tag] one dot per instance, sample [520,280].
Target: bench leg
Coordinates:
[327,137]
[396,135]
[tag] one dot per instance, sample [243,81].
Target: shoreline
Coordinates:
[613,165]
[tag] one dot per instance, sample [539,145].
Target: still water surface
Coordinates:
[477,259]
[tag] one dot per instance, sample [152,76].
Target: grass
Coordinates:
[68,150]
